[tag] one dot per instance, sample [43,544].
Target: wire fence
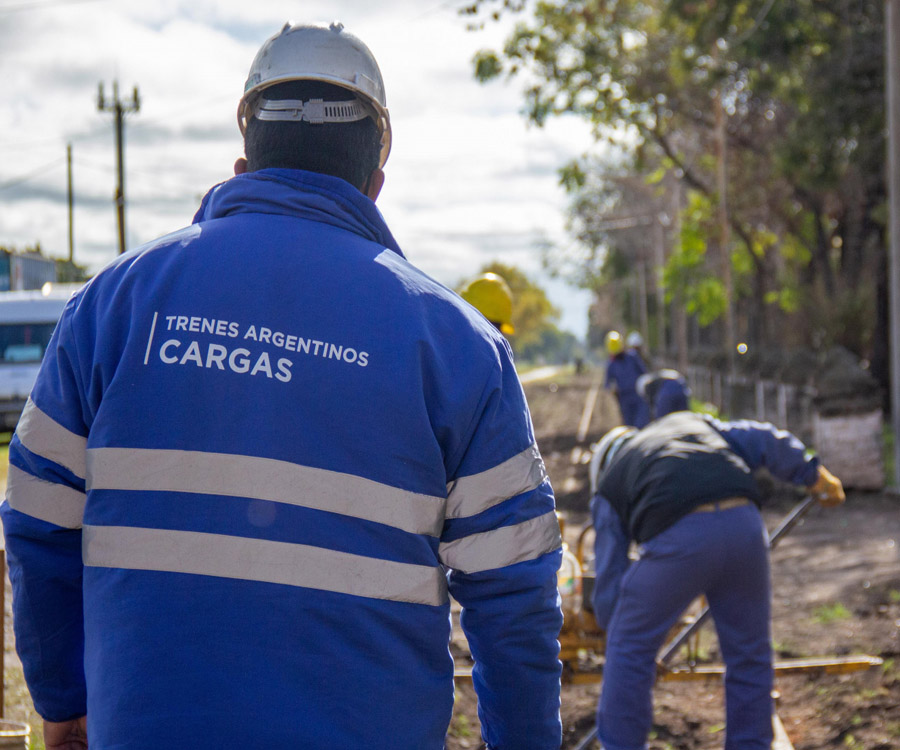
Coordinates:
[850,444]
[787,405]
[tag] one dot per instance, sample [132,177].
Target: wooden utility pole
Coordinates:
[119,110]
[70,196]
[679,314]
[892,83]
[659,253]
[644,314]
[724,228]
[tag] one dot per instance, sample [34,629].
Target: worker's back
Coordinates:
[276,411]
[669,467]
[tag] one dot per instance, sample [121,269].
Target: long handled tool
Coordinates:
[787,523]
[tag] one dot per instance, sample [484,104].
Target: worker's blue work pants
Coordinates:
[722,554]
[634,410]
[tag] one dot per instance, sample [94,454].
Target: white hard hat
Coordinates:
[634,340]
[317,52]
[603,452]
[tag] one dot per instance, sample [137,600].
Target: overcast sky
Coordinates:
[468,181]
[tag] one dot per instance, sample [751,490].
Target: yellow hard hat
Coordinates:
[491,296]
[614,343]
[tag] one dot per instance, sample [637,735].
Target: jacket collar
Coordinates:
[294,192]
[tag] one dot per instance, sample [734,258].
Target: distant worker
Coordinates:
[261,454]
[683,489]
[635,342]
[622,371]
[664,391]
[492,297]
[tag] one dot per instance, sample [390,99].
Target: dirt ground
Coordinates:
[836,580]
[836,592]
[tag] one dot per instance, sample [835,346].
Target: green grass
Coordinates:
[19,706]
[460,727]
[704,407]
[788,648]
[831,613]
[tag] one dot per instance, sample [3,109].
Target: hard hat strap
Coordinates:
[314,111]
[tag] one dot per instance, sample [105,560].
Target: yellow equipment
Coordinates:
[492,297]
[582,642]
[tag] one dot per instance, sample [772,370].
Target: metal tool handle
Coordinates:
[787,523]
[587,740]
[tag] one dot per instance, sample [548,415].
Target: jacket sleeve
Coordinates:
[762,445]
[42,518]
[610,559]
[501,542]
[639,365]
[610,380]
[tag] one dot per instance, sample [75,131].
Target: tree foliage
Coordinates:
[801,91]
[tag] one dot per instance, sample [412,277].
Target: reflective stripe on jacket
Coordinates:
[261,451]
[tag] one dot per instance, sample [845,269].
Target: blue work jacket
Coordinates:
[260,455]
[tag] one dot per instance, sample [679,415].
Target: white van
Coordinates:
[27,320]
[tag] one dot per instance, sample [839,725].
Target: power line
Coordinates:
[96,132]
[31,175]
[55,141]
[168,117]
[95,165]
[103,130]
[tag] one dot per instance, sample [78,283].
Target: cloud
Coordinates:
[468,181]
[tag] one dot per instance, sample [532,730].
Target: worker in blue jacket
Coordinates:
[623,369]
[491,296]
[664,391]
[263,452]
[682,489]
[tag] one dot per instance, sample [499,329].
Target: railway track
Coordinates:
[582,650]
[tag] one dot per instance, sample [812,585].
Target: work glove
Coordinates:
[828,489]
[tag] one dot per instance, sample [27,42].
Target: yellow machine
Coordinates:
[582,641]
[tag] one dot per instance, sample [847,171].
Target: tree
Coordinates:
[622,221]
[800,87]
[70,272]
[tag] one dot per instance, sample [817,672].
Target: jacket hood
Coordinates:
[306,195]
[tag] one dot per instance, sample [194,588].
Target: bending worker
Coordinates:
[664,391]
[262,452]
[622,371]
[683,489]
